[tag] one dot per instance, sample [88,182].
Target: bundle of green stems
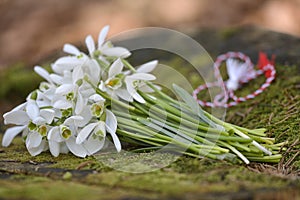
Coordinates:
[184,127]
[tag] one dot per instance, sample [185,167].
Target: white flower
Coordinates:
[137,80]
[66,113]
[28,116]
[79,64]
[68,63]
[92,136]
[73,92]
[33,122]
[114,83]
[36,143]
[105,48]
[65,135]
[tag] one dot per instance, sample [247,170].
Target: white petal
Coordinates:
[101,126]
[62,104]
[132,91]
[146,88]
[67,77]
[73,120]
[124,94]
[18,117]
[25,132]
[96,98]
[43,73]
[63,148]
[65,89]
[102,36]
[10,134]
[115,139]
[77,74]
[43,103]
[95,71]
[39,120]
[142,76]
[117,52]
[33,140]
[115,68]
[71,49]
[129,85]
[76,149]
[37,150]
[93,145]
[56,79]
[102,86]
[54,135]
[85,132]
[86,90]
[49,93]
[19,107]
[147,67]
[54,148]
[32,109]
[89,41]
[111,120]
[138,97]
[66,63]
[79,104]
[48,115]
[86,114]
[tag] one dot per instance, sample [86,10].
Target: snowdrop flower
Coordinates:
[73,92]
[32,123]
[36,141]
[98,54]
[63,136]
[66,113]
[137,80]
[92,136]
[68,63]
[114,83]
[105,48]
[28,112]
[78,64]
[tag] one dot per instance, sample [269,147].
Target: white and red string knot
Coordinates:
[240,71]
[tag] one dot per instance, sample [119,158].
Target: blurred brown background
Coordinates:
[32,29]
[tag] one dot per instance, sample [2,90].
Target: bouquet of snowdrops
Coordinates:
[90,99]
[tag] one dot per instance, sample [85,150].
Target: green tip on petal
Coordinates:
[42,130]
[65,132]
[32,126]
[34,95]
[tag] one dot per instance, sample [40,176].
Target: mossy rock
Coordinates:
[277,109]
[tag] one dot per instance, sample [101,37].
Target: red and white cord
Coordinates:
[239,73]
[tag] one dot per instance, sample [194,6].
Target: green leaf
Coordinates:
[194,106]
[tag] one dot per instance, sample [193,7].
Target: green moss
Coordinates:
[277,109]
[227,33]
[168,181]
[28,187]
[17,81]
